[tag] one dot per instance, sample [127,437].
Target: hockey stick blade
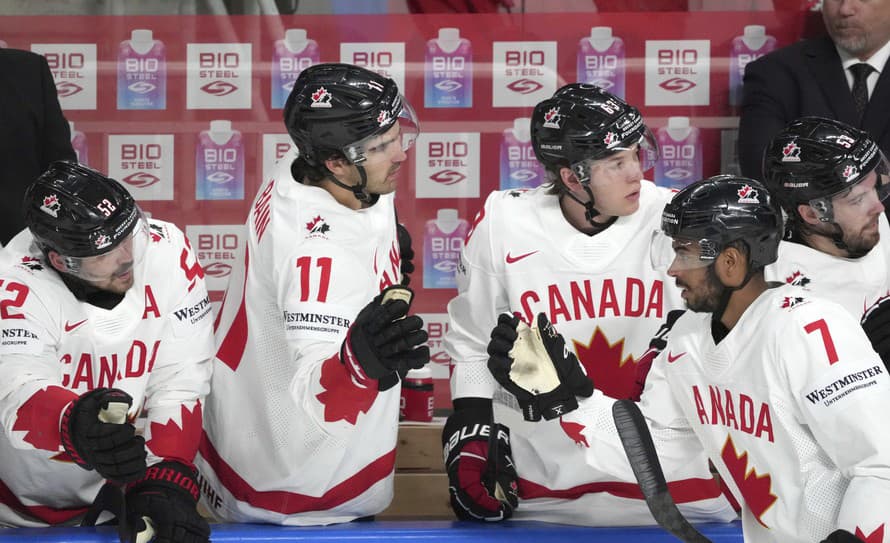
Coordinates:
[640,451]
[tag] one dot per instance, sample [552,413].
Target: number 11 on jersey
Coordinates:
[308,279]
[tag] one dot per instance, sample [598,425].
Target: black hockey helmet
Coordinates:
[814,159]
[338,107]
[719,210]
[78,212]
[583,123]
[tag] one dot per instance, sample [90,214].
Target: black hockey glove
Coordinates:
[535,366]
[841,536]
[112,449]
[876,323]
[165,502]
[383,339]
[482,480]
[656,345]
[406,252]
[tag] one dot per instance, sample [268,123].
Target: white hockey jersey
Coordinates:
[156,345]
[604,297]
[289,437]
[791,406]
[855,283]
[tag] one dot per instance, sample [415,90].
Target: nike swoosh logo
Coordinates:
[672,358]
[512,259]
[69,327]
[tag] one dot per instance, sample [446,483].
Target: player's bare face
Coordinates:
[112,271]
[701,289]
[384,159]
[615,183]
[857,213]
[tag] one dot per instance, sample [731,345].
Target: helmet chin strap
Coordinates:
[359,191]
[837,233]
[590,212]
[718,329]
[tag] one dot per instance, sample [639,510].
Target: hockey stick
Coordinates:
[116,413]
[640,451]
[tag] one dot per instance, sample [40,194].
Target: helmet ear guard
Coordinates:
[813,160]
[583,123]
[713,213]
[338,108]
[85,217]
[77,211]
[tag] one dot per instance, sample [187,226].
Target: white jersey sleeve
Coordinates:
[155,344]
[683,459]
[843,392]
[310,266]
[32,397]
[332,291]
[481,297]
[179,378]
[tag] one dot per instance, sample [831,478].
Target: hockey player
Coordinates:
[576,249]
[104,316]
[781,388]
[302,417]
[831,179]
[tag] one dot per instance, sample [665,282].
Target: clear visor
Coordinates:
[680,254]
[873,188]
[629,159]
[397,139]
[117,262]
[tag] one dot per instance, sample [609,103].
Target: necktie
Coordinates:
[860,88]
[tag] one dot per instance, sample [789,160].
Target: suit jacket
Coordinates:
[803,79]
[33,131]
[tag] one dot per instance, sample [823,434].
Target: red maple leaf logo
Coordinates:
[172,440]
[319,94]
[756,489]
[342,398]
[605,364]
[877,536]
[313,223]
[574,431]
[41,425]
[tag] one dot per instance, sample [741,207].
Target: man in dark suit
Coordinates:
[818,77]
[33,132]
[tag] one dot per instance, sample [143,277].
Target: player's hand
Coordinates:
[482,480]
[165,502]
[876,323]
[385,339]
[406,253]
[112,449]
[656,345]
[841,536]
[535,366]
